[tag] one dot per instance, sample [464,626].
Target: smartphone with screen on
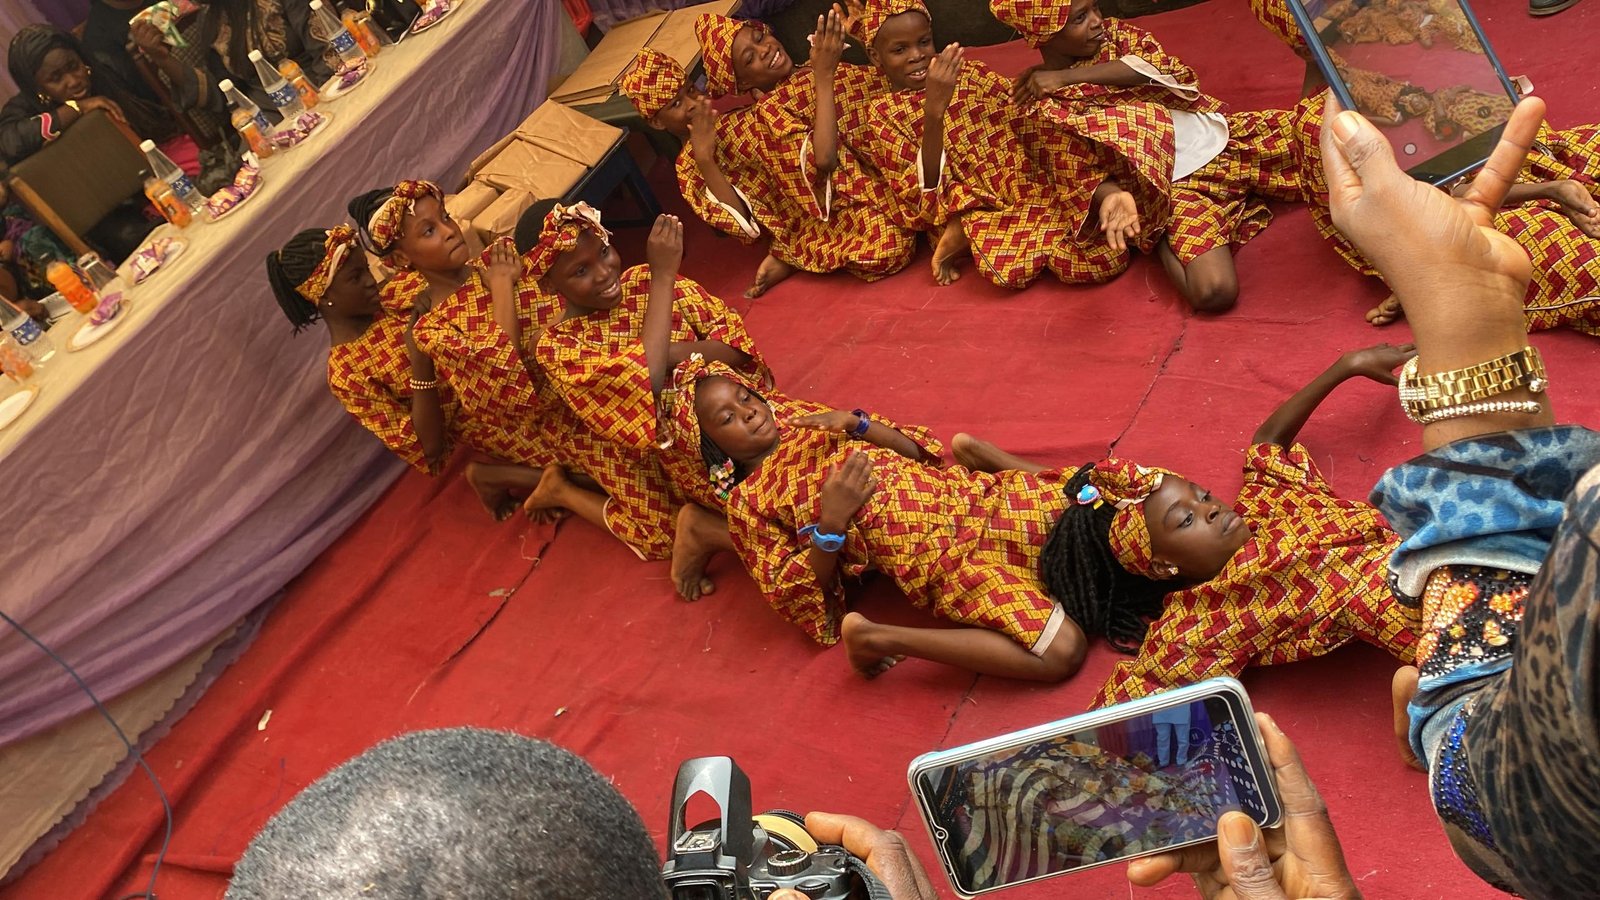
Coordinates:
[1129,780]
[1422,72]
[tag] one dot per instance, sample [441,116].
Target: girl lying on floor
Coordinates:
[1287,572]
[1224,167]
[1553,211]
[375,369]
[959,160]
[607,356]
[788,149]
[816,496]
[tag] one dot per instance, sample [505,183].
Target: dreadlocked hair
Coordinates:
[288,268]
[1079,570]
[361,207]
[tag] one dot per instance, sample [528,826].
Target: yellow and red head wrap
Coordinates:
[1126,485]
[877,12]
[335,247]
[562,226]
[383,229]
[715,34]
[682,423]
[1036,20]
[652,82]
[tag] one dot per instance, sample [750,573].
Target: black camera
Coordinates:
[743,857]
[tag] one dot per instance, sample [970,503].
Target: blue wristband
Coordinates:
[827,543]
[863,425]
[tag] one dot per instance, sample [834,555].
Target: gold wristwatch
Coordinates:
[1420,394]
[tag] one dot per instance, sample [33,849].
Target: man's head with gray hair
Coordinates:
[463,813]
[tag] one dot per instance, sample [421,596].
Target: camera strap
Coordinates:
[869,879]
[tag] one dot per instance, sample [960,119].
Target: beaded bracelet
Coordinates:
[424,385]
[1531,407]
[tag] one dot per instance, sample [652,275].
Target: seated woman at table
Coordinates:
[26,248]
[280,29]
[375,369]
[55,87]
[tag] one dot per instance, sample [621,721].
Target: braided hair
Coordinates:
[362,206]
[288,268]
[530,225]
[1079,570]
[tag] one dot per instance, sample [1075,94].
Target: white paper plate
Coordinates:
[235,208]
[12,407]
[175,248]
[418,29]
[331,89]
[88,334]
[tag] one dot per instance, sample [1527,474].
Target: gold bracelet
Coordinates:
[1531,407]
[1422,394]
[424,385]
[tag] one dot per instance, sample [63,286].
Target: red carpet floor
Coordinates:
[426,614]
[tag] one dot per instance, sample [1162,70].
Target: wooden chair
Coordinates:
[77,179]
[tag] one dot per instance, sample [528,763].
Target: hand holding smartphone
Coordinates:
[1144,777]
[1423,73]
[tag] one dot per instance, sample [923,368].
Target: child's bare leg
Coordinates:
[700,534]
[1401,690]
[1209,282]
[953,244]
[771,271]
[982,456]
[555,492]
[873,648]
[500,485]
[1387,312]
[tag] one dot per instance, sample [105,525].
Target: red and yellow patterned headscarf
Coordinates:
[384,227]
[878,12]
[681,423]
[1126,485]
[715,34]
[652,82]
[1036,20]
[335,247]
[562,226]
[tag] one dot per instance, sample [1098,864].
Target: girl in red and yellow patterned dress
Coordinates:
[374,368]
[1224,167]
[957,159]
[608,353]
[1286,572]
[826,495]
[813,185]
[1553,211]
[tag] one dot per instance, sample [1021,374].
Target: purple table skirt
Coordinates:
[203,463]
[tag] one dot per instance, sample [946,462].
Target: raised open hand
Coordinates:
[828,41]
[943,72]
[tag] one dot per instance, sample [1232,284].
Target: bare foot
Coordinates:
[952,246]
[1387,312]
[497,500]
[545,503]
[692,548]
[858,643]
[1402,689]
[771,271]
[1579,206]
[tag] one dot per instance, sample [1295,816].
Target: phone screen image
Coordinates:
[1421,71]
[1075,800]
